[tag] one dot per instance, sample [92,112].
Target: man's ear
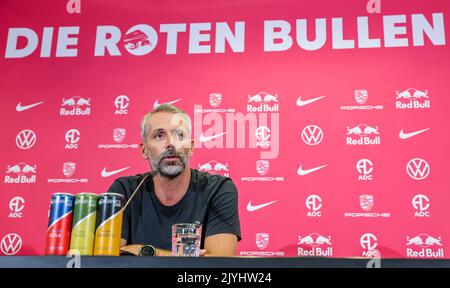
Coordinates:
[191,149]
[144,151]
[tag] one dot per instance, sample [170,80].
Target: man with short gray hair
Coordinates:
[174,193]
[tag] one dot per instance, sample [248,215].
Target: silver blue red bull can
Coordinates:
[59,224]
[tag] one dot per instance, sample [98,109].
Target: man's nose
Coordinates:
[169,142]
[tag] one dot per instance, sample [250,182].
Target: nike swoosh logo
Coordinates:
[251,208]
[209,138]
[20,108]
[156,104]
[303,172]
[404,135]
[301,103]
[111,173]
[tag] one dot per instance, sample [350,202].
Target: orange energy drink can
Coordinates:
[109,225]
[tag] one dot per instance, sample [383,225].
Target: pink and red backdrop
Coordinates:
[311,194]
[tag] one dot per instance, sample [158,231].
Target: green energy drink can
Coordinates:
[109,225]
[83,226]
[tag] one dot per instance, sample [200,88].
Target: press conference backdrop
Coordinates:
[331,117]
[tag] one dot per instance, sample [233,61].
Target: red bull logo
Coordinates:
[363,134]
[119,135]
[20,173]
[75,106]
[424,246]
[136,40]
[262,240]
[214,167]
[262,102]
[215,99]
[314,244]
[412,99]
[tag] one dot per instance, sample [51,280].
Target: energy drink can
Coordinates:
[83,225]
[109,225]
[59,224]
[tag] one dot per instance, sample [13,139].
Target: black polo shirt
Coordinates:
[211,200]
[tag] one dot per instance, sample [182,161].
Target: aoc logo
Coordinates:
[11,244]
[412,99]
[365,169]
[424,246]
[262,102]
[421,204]
[314,244]
[75,106]
[121,103]
[26,139]
[314,205]
[16,205]
[262,134]
[369,242]
[20,173]
[72,137]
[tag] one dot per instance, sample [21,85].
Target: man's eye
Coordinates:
[158,136]
[180,135]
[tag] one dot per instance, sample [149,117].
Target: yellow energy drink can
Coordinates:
[109,225]
[83,226]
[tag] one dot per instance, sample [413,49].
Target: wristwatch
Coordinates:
[147,250]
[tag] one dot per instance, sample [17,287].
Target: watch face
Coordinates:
[147,250]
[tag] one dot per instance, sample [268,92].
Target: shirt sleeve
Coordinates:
[223,216]
[118,187]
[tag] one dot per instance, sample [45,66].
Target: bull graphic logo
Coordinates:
[11,244]
[361,96]
[411,94]
[69,168]
[262,167]
[262,97]
[366,202]
[314,240]
[215,99]
[213,167]
[262,240]
[119,134]
[140,40]
[362,130]
[136,39]
[418,169]
[423,240]
[76,102]
[21,168]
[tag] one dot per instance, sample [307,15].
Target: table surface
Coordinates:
[213,262]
